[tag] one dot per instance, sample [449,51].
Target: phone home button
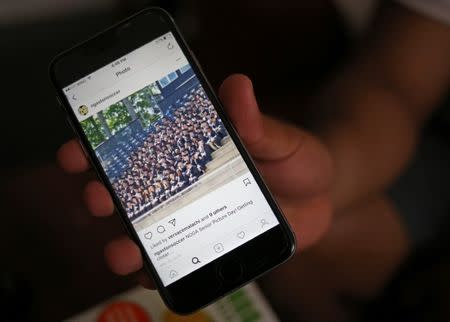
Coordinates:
[231,271]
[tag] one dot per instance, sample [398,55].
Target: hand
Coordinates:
[294,164]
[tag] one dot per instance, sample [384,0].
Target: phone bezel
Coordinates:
[121,39]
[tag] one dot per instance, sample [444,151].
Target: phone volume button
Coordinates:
[79,141]
[58,101]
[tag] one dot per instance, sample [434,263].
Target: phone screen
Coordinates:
[168,156]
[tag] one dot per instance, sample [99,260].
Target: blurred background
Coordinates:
[52,250]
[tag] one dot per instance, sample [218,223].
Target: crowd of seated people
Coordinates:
[173,156]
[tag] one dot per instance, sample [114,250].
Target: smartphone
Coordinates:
[187,191]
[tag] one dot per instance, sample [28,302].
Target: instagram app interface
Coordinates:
[177,172]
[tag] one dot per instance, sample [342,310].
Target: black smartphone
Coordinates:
[187,191]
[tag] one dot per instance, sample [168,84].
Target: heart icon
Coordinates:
[148,235]
[241,235]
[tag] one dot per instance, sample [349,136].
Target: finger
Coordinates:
[266,139]
[310,219]
[71,157]
[237,96]
[144,279]
[98,200]
[306,172]
[123,256]
[283,152]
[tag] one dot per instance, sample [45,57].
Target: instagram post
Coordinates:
[161,145]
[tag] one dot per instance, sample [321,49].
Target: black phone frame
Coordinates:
[257,256]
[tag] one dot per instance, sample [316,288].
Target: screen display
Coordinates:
[169,158]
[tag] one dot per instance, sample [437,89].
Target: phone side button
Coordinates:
[58,101]
[231,271]
[71,124]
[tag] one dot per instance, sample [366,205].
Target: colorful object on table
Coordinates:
[140,305]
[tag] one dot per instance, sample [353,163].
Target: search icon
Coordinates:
[195,260]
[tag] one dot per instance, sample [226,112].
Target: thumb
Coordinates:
[293,161]
[266,139]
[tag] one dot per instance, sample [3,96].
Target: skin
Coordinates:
[330,182]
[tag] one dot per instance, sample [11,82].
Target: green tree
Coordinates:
[117,117]
[93,130]
[145,104]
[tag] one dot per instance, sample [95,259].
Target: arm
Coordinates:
[382,100]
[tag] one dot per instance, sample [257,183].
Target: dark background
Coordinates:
[52,265]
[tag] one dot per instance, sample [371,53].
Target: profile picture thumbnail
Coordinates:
[83,110]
